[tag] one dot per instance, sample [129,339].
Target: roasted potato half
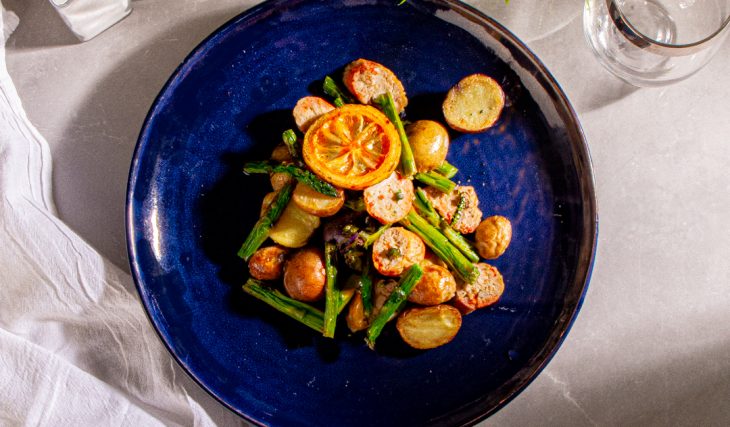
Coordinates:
[424,328]
[437,285]
[474,104]
[294,227]
[316,203]
[304,275]
[267,263]
[429,142]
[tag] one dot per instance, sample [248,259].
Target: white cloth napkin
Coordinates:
[75,346]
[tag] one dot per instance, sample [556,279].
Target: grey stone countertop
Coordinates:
[651,345]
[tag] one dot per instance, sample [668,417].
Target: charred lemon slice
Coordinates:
[352,147]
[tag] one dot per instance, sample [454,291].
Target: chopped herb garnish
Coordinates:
[393,253]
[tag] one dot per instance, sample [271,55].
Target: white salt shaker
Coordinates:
[88,18]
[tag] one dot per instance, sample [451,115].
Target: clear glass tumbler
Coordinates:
[655,42]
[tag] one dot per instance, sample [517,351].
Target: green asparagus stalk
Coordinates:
[373,237]
[447,169]
[345,297]
[366,288]
[437,181]
[394,303]
[331,89]
[424,207]
[290,139]
[407,161]
[441,246]
[332,293]
[459,209]
[297,310]
[357,205]
[301,175]
[260,230]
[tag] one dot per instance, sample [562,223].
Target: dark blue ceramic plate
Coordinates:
[189,208]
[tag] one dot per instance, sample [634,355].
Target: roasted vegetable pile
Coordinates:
[364,214]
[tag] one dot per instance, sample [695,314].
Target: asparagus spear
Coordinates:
[373,237]
[393,303]
[345,297]
[331,89]
[290,139]
[459,209]
[298,173]
[447,169]
[437,181]
[441,246]
[297,310]
[332,294]
[407,162]
[366,288]
[424,208]
[260,230]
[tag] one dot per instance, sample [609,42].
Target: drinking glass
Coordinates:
[655,42]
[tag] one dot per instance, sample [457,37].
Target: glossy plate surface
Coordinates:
[189,208]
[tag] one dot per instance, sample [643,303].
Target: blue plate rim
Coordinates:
[582,160]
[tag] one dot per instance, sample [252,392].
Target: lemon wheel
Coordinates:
[352,147]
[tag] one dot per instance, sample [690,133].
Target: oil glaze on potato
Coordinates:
[267,263]
[316,203]
[304,275]
[437,285]
[355,318]
[493,236]
[429,142]
[474,104]
[294,227]
[424,328]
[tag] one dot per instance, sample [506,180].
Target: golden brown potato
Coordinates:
[281,153]
[429,142]
[356,319]
[432,259]
[396,250]
[304,275]
[436,286]
[267,263]
[474,104]
[266,202]
[493,236]
[279,179]
[485,291]
[429,327]
[317,203]
[294,227]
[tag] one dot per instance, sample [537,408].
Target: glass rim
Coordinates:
[644,42]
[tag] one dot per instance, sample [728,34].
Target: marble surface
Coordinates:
[651,345]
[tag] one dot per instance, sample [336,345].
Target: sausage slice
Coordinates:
[485,291]
[390,200]
[308,109]
[368,80]
[446,203]
[396,250]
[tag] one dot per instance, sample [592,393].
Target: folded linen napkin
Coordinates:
[75,345]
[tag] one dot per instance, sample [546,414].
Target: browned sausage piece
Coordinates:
[446,203]
[267,263]
[485,291]
[381,291]
[368,79]
[308,110]
[389,200]
[396,250]
[436,286]
[304,275]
